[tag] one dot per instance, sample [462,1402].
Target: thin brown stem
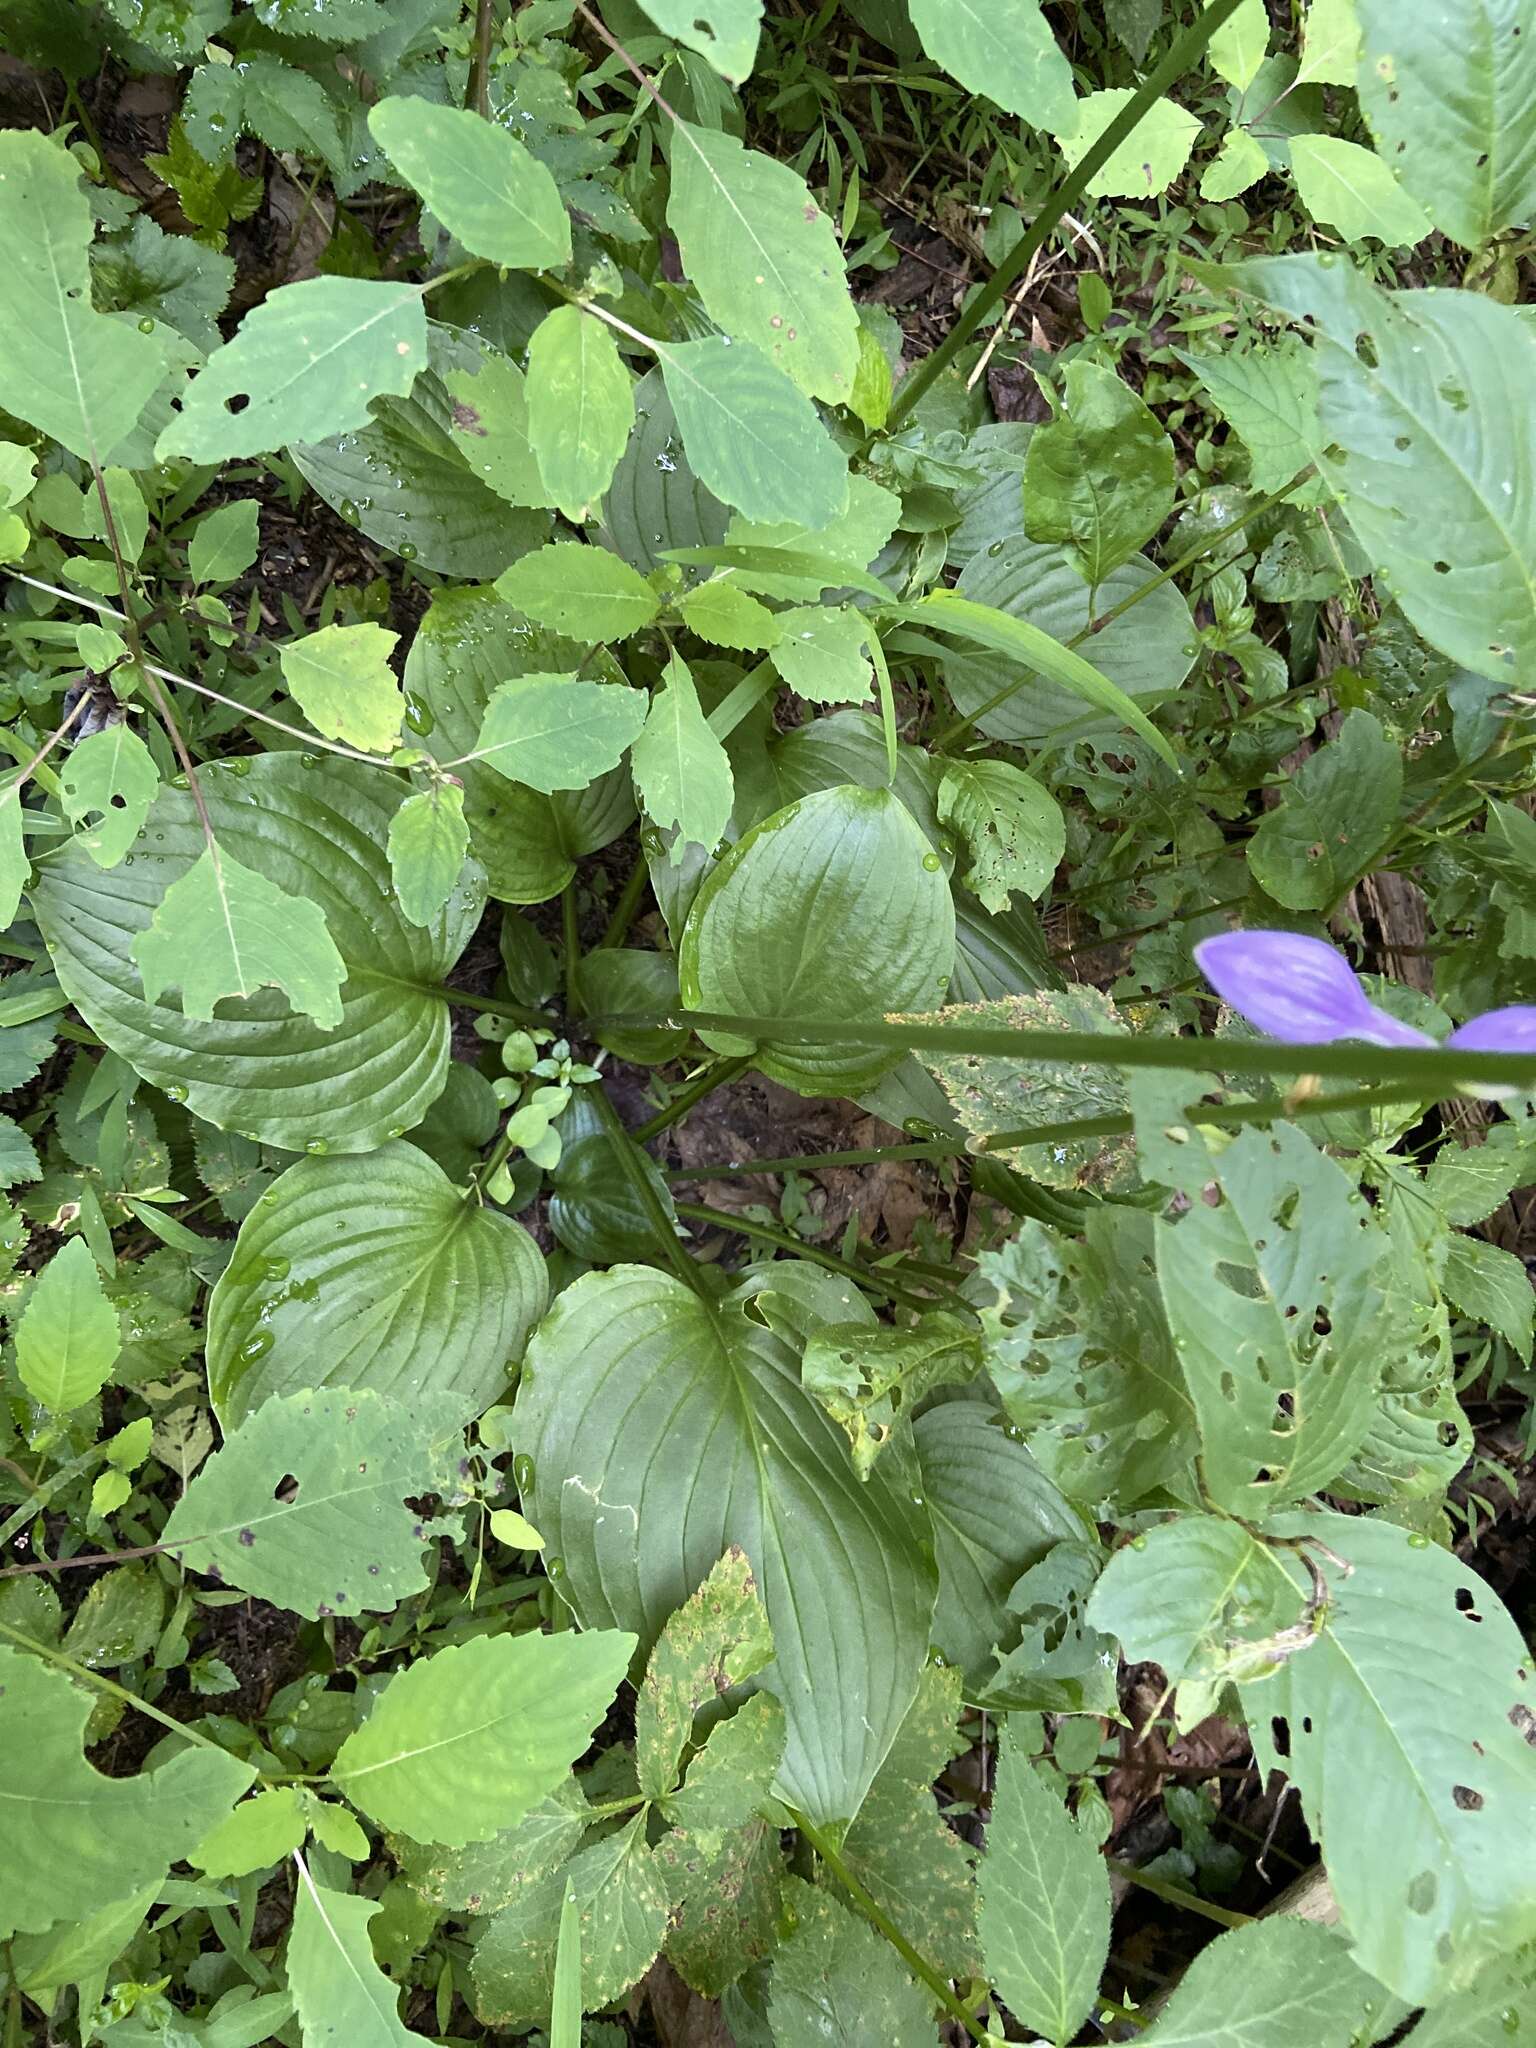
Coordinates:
[645,82]
[478,96]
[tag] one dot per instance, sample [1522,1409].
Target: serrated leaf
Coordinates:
[1004,50]
[224,542]
[483,1876]
[1333,819]
[342,1541]
[1330,43]
[428,839]
[111,777]
[717,1638]
[461,1744]
[733,1775]
[557,732]
[261,1831]
[821,651]
[1239,163]
[836,1980]
[80,376]
[18,1155]
[581,408]
[1353,189]
[68,1339]
[764,258]
[682,772]
[340,1991]
[1269,396]
[868,1380]
[341,680]
[1099,478]
[721,612]
[119,1619]
[483,185]
[1271,1985]
[752,438]
[1148,160]
[1013,829]
[77,1841]
[1492,1286]
[308,361]
[724,32]
[157,276]
[583,592]
[375,1273]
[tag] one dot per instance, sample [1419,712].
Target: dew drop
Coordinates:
[275,1268]
[554,1568]
[146,326]
[523,1472]
[408,551]
[315,1146]
[255,1346]
[932,863]
[174,1094]
[1418,1540]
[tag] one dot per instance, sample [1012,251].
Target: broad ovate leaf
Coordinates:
[834,1979]
[1352,189]
[764,258]
[753,439]
[316,835]
[581,408]
[308,362]
[1268,396]
[376,1273]
[80,376]
[833,909]
[461,1744]
[1013,829]
[341,680]
[305,1504]
[1006,51]
[586,593]
[1239,46]
[483,185]
[75,1840]
[682,772]
[428,839]
[660,1432]
[106,786]
[558,732]
[337,1985]
[68,1339]
[489,424]
[1269,1985]
[1149,159]
[724,32]
[1099,478]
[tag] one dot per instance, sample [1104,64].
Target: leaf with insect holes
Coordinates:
[583,592]
[223,930]
[724,32]
[581,407]
[339,1539]
[751,436]
[68,1338]
[1005,50]
[77,374]
[1151,156]
[339,1990]
[682,771]
[111,777]
[490,194]
[461,1744]
[428,839]
[1013,829]
[557,732]
[341,680]
[307,362]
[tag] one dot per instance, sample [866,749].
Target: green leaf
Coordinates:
[308,361]
[376,1273]
[15,863]
[1045,1909]
[1352,189]
[1451,97]
[654,489]
[1492,1286]
[224,542]
[157,276]
[1416,390]
[80,376]
[76,1841]
[1004,50]
[484,1875]
[1272,1985]
[341,680]
[1012,828]
[489,426]
[68,1339]
[1334,818]
[817,559]
[822,652]
[317,834]
[1330,43]
[733,1776]
[1148,160]
[868,1380]
[717,1638]
[18,1156]
[479,180]
[836,1980]
[661,1432]
[581,408]
[260,1832]
[833,908]
[765,260]
[724,32]
[724,1903]
[461,1744]
[722,613]
[1238,47]
[340,1542]
[428,840]
[1239,163]
[340,1991]
[752,438]
[682,772]
[111,777]
[222,929]
[1099,478]
[119,1619]
[584,592]
[566,2002]
[555,732]
[1268,396]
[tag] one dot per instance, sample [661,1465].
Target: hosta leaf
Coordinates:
[1333,819]
[723,31]
[752,438]
[222,929]
[1148,160]
[764,258]
[656,501]
[1269,397]
[1451,99]
[1004,50]
[376,1273]
[341,680]
[1416,390]
[822,652]
[682,772]
[834,909]
[338,1541]
[1099,478]
[555,732]
[80,376]
[479,180]
[1045,1906]
[581,408]
[717,1638]
[584,592]
[338,1988]
[1353,189]
[1013,829]
[316,834]
[836,1980]
[428,839]
[74,1840]
[308,360]
[1271,1985]
[661,1432]
[461,1744]
[68,1338]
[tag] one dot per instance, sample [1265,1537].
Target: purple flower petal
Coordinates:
[1508,1030]
[1296,989]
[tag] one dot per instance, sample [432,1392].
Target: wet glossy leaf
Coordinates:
[341,680]
[583,592]
[752,438]
[428,839]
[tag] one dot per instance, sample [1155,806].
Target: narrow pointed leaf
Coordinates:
[338,1987]
[428,839]
[68,1339]
[682,771]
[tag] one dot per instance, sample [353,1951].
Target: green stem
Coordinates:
[24,1514]
[701,1085]
[748,1226]
[1175,1895]
[629,902]
[640,1186]
[1185,53]
[875,1914]
[570,934]
[743,697]
[491,1006]
[120,1692]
